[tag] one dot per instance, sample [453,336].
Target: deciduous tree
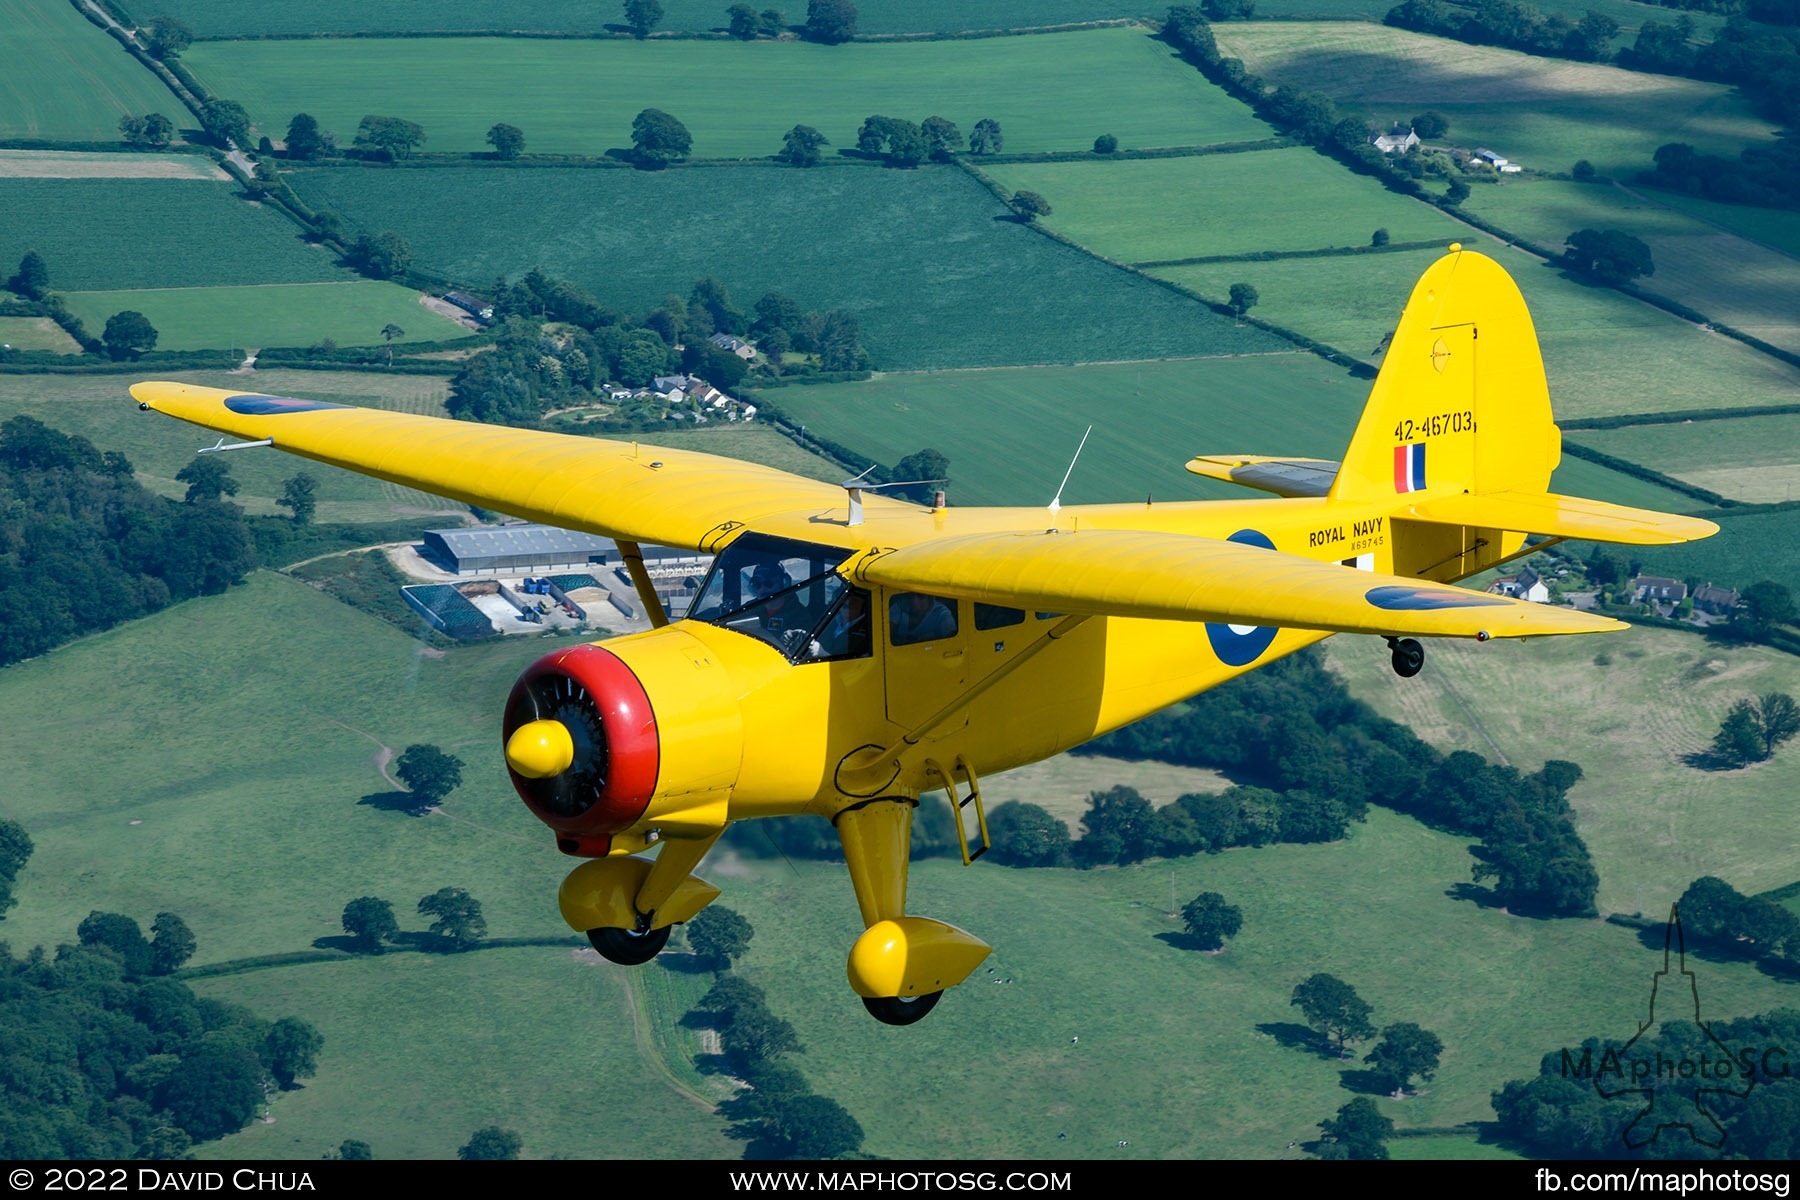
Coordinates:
[1029,205]
[491,1143]
[986,137]
[208,478]
[458,916]
[165,37]
[1405,1050]
[299,497]
[720,934]
[1028,835]
[428,773]
[1609,255]
[306,141]
[641,16]
[942,138]
[171,944]
[800,146]
[1209,919]
[389,137]
[383,256]
[370,921]
[830,21]
[1106,143]
[291,1051]
[15,850]
[227,121]
[1242,299]
[659,139]
[1332,1007]
[1360,1129]
[742,22]
[128,334]
[508,141]
[32,280]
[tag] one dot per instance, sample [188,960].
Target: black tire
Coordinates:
[901,1010]
[1409,658]
[628,947]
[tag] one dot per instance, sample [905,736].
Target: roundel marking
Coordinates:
[1241,645]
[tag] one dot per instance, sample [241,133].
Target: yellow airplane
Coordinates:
[849,651]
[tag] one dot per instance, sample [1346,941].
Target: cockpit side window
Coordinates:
[780,591]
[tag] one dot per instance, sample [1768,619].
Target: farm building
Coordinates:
[518,549]
[737,346]
[1397,140]
[473,305]
[1526,585]
[1497,161]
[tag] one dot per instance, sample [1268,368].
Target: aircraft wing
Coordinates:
[1175,577]
[612,488]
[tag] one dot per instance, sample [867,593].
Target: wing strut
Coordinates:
[633,554]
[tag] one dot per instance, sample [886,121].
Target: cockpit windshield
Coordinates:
[788,594]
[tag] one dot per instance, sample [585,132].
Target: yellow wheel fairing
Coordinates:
[599,894]
[912,956]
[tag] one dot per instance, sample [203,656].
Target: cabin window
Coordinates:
[914,617]
[993,616]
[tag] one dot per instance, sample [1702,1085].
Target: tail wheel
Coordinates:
[1409,658]
[900,1010]
[629,947]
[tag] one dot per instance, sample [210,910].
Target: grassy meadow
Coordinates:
[252,806]
[930,263]
[579,97]
[1748,547]
[1009,433]
[1730,279]
[1543,113]
[350,313]
[1653,823]
[36,333]
[1605,353]
[1221,204]
[225,18]
[158,233]
[1752,459]
[62,79]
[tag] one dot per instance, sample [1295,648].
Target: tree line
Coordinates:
[776,1112]
[1324,756]
[84,546]
[108,1056]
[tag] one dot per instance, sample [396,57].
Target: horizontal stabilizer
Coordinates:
[1561,516]
[1167,576]
[1283,476]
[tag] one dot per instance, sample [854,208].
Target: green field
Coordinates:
[61,79]
[1218,204]
[1543,113]
[1775,228]
[351,313]
[926,260]
[1009,433]
[1730,279]
[1604,353]
[1628,13]
[220,18]
[1749,547]
[1653,823]
[99,409]
[153,233]
[36,333]
[1753,459]
[736,98]
[229,793]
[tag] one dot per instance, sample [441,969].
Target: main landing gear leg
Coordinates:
[901,965]
[1409,656]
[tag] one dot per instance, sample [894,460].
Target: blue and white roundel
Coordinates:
[1241,645]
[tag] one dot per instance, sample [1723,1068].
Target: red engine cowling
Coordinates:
[615,754]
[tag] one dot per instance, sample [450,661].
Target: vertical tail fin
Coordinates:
[1460,407]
